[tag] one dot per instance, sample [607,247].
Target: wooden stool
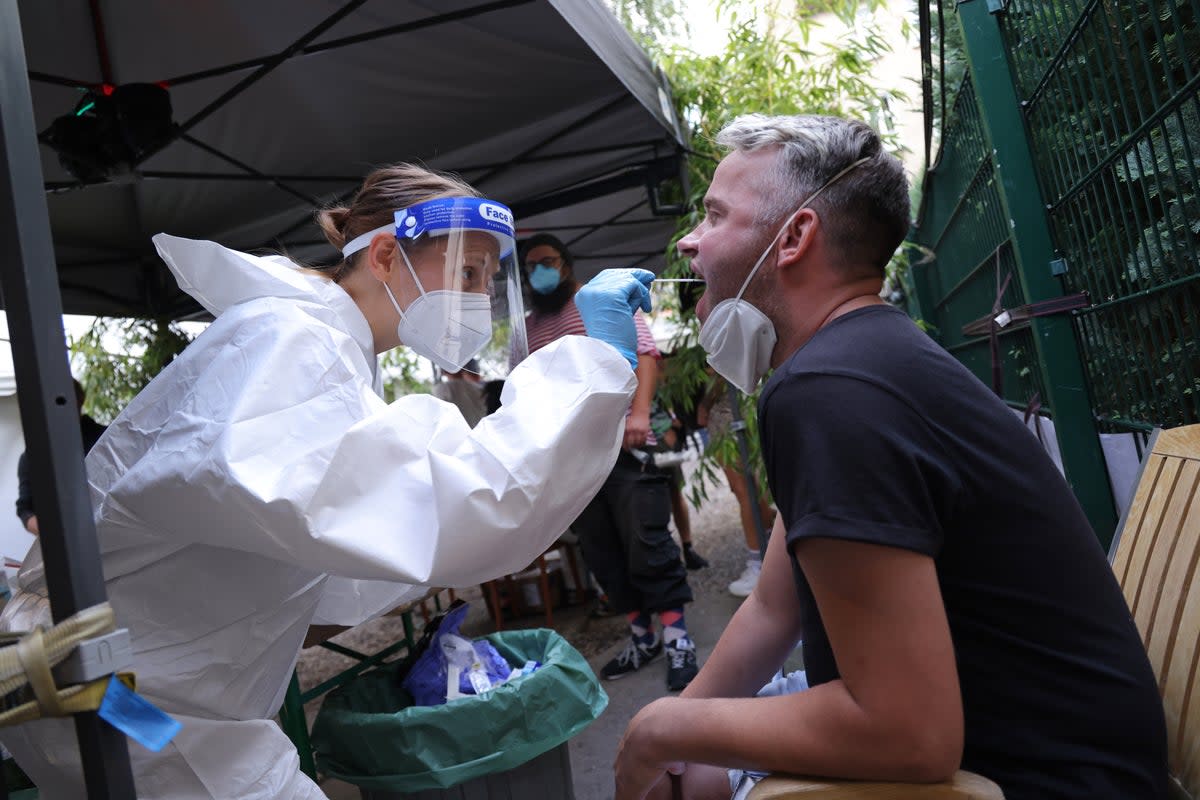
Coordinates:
[510,585]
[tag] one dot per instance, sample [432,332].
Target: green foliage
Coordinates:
[773,62]
[404,373]
[949,62]
[1166,250]
[651,21]
[1113,116]
[724,449]
[116,358]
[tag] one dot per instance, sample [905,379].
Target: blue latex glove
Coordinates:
[607,302]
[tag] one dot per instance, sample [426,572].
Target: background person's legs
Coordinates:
[683,522]
[603,551]
[638,501]
[744,584]
[642,507]
[737,484]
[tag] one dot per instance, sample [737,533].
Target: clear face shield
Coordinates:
[461,297]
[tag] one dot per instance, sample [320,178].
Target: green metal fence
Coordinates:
[1065,193]
[965,217]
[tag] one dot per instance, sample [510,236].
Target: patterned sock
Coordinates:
[752,554]
[673,625]
[641,626]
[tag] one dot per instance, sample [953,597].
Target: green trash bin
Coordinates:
[510,741]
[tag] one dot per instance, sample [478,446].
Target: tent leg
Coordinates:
[29,282]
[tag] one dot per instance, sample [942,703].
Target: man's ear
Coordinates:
[381,255]
[798,238]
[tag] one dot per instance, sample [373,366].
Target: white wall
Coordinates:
[14,541]
[1120,455]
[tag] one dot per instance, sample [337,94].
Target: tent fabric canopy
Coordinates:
[280,107]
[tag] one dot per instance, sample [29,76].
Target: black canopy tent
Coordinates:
[280,107]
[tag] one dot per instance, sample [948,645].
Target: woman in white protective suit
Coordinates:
[259,484]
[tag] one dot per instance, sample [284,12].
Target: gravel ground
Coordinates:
[716,534]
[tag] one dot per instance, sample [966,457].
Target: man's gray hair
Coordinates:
[866,212]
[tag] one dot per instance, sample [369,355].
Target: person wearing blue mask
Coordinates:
[551,273]
[624,531]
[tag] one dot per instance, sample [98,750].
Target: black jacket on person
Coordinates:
[91,432]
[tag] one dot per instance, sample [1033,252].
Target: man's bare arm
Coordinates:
[895,713]
[637,424]
[761,634]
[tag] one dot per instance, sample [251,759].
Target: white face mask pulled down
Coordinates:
[738,338]
[447,327]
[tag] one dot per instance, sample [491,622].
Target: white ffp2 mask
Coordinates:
[738,338]
[447,327]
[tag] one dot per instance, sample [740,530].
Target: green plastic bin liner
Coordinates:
[367,733]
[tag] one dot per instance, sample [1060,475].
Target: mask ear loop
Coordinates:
[411,271]
[407,263]
[783,228]
[363,241]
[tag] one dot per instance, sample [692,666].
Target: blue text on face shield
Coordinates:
[544,279]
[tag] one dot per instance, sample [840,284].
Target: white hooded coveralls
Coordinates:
[259,465]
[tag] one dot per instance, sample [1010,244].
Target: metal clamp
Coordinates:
[95,658]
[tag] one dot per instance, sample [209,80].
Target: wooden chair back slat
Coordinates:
[1164,589]
[1156,562]
[1131,525]
[1157,481]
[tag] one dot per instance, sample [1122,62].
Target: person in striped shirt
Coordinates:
[624,530]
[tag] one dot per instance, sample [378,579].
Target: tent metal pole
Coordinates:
[574,241]
[49,415]
[630,177]
[267,67]
[358,38]
[276,182]
[566,130]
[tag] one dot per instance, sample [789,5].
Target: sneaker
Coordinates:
[681,663]
[632,658]
[692,559]
[745,583]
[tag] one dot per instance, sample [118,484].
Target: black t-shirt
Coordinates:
[873,433]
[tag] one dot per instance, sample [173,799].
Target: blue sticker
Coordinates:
[136,717]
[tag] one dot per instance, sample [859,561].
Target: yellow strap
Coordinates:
[89,696]
[35,654]
[32,653]
[73,700]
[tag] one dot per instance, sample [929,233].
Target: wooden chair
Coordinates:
[497,604]
[964,785]
[1154,556]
